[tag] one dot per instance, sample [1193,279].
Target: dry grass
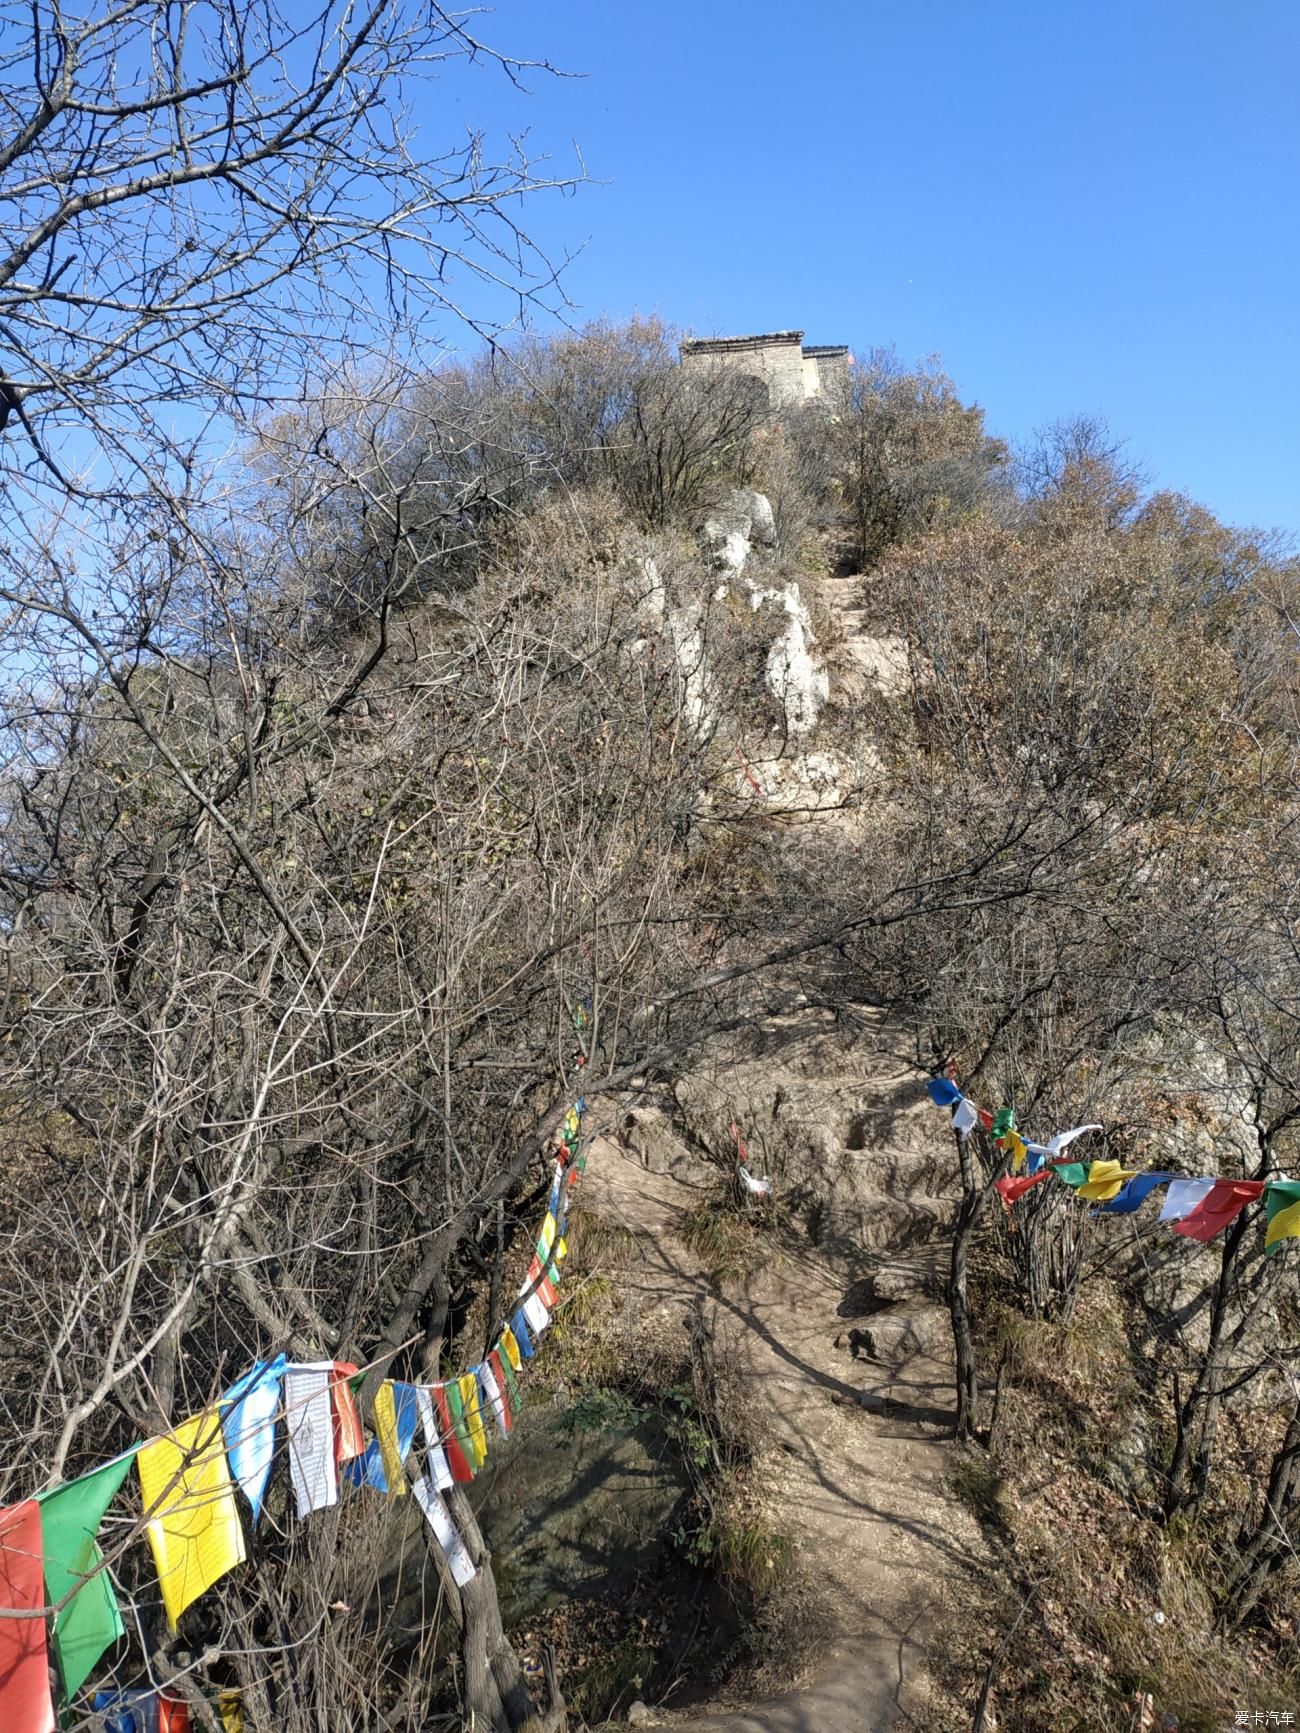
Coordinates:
[1121,1605]
[730,1246]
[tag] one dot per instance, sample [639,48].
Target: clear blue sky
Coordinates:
[1080,205]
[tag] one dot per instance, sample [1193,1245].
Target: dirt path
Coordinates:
[855,1446]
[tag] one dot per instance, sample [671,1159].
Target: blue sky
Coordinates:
[1080,205]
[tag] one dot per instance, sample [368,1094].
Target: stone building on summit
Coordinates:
[790,371]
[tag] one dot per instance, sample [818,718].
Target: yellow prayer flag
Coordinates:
[511,1347]
[561,1252]
[1285,1225]
[473,1417]
[231,1711]
[547,1236]
[386,1432]
[1106,1179]
[194,1526]
[1014,1144]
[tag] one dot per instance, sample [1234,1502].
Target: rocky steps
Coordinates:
[840,1345]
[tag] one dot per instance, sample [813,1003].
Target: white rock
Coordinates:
[654,597]
[762,522]
[692,666]
[795,677]
[730,554]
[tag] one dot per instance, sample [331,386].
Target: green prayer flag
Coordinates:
[456,1404]
[90,1621]
[1279,1195]
[1074,1173]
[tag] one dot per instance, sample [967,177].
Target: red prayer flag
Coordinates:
[1219,1208]
[349,1440]
[460,1468]
[986,1118]
[544,1290]
[25,1702]
[174,1712]
[1014,1186]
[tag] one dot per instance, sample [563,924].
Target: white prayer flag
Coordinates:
[1183,1196]
[492,1391]
[965,1117]
[536,1313]
[310,1424]
[1064,1139]
[755,1187]
[445,1532]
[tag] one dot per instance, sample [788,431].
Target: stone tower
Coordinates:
[790,371]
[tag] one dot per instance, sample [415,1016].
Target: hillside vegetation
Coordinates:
[407,794]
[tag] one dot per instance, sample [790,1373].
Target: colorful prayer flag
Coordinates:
[70,1519]
[1071,1173]
[538,1282]
[509,1387]
[396,1416]
[943,1092]
[1282,1209]
[1064,1139]
[1134,1194]
[1219,1208]
[1105,1181]
[511,1347]
[189,1500]
[437,1468]
[473,1417]
[309,1421]
[491,1390]
[1183,1196]
[445,1532]
[25,1702]
[128,1711]
[230,1707]
[1012,1190]
[173,1714]
[248,1412]
[349,1440]
[519,1329]
[964,1118]
[455,1439]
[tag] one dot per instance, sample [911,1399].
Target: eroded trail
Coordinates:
[841,1345]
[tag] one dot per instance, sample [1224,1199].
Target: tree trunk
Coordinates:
[1265,1549]
[1196,1418]
[497,1699]
[972,1202]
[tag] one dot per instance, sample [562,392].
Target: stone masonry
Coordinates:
[790,371]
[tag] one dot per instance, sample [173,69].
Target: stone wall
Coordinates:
[774,357]
[829,363]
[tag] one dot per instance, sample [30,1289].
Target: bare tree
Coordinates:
[207,204]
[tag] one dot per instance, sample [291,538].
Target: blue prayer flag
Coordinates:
[519,1324]
[248,1427]
[1134,1194]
